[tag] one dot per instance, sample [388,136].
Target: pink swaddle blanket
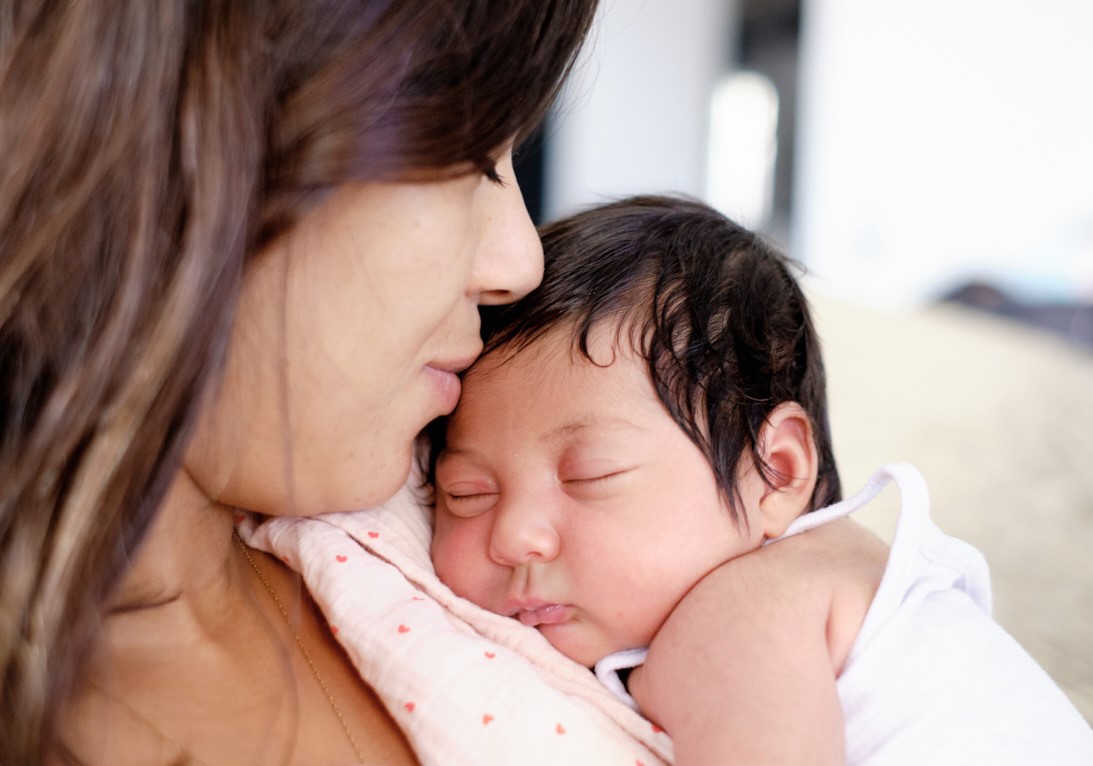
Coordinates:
[464,684]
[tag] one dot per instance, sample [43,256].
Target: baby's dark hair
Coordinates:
[714,310]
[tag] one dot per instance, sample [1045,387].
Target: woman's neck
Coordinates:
[186,555]
[199,661]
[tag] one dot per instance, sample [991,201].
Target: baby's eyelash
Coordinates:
[469,505]
[601,477]
[456,498]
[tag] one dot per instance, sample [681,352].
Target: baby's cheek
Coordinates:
[459,560]
[445,554]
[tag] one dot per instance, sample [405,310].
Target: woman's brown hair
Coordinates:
[149,151]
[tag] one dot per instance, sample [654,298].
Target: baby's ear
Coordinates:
[789,452]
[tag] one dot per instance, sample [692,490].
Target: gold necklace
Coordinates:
[303,650]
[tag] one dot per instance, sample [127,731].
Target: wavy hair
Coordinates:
[150,150]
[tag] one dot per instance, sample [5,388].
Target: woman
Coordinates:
[243,246]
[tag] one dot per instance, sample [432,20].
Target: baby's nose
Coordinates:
[522,535]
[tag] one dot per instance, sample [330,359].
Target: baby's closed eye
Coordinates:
[594,481]
[465,499]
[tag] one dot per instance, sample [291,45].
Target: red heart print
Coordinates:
[486,719]
[409,707]
[333,630]
[403,629]
[284,559]
[560,729]
[341,559]
[656,729]
[373,535]
[239,517]
[490,655]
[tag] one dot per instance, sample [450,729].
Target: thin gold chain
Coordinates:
[303,650]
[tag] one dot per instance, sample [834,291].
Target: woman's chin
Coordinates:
[377,484]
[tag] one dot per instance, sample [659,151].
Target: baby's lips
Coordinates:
[550,614]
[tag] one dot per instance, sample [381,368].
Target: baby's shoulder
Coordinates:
[832,571]
[841,550]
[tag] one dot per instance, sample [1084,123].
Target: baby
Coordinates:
[640,430]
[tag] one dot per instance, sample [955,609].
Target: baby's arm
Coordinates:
[743,671]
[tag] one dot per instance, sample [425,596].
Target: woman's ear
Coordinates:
[789,454]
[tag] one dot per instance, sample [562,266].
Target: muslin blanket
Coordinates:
[466,686]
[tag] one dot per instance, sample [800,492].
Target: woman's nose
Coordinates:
[523,533]
[510,262]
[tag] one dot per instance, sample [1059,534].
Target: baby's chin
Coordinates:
[583,650]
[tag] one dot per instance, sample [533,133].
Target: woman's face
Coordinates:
[348,337]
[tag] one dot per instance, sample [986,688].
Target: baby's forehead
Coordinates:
[560,347]
[554,373]
[547,361]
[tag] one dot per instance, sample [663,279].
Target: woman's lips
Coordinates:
[445,375]
[548,614]
[448,387]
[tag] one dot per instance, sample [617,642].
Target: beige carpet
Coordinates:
[999,418]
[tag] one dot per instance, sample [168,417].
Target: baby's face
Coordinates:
[568,498]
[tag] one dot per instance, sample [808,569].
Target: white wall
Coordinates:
[946,139]
[634,117]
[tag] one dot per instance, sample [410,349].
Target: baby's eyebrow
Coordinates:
[584,424]
[565,432]
[450,451]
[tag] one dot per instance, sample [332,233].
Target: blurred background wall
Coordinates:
[943,141]
[635,116]
[915,146]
